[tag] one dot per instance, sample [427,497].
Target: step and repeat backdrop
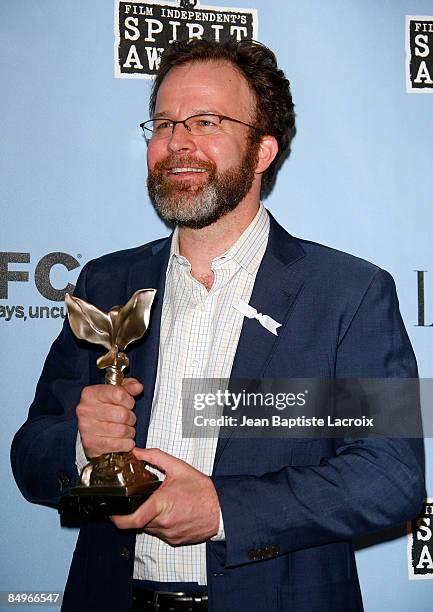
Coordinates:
[76,77]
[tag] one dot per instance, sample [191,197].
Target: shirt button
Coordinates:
[126,553]
[194,362]
[202,307]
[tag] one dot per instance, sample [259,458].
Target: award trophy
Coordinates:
[113,483]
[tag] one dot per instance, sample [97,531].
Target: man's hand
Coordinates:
[106,419]
[185,508]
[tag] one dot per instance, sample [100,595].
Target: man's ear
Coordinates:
[268,149]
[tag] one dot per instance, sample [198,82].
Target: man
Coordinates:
[245,524]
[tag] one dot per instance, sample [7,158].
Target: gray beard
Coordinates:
[187,210]
[198,207]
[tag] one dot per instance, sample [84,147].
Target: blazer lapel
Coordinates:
[148,273]
[277,285]
[275,289]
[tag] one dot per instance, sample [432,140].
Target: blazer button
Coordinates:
[126,553]
[253,554]
[274,550]
[63,481]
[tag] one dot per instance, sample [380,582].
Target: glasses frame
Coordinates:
[183,122]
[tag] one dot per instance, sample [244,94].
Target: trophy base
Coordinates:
[87,504]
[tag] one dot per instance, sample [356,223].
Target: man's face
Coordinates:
[195,180]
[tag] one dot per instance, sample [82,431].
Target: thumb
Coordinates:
[133,386]
[166,463]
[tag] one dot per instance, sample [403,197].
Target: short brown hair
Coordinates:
[274,106]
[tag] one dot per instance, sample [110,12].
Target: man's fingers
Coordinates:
[105,413]
[142,516]
[107,429]
[163,461]
[106,418]
[107,394]
[100,437]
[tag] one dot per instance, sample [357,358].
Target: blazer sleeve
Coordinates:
[368,485]
[43,450]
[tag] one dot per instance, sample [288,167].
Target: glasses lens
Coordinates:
[161,128]
[198,125]
[201,125]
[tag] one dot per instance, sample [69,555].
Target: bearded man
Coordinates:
[238,524]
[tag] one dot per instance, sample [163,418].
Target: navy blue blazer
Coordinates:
[290,507]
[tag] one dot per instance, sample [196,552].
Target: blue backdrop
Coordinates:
[73,181]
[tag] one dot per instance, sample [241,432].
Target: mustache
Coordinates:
[182,162]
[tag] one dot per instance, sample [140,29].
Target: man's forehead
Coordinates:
[217,80]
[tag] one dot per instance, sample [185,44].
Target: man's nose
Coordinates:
[181,139]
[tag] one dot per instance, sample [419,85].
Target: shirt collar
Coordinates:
[246,251]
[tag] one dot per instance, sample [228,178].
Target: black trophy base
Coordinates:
[75,509]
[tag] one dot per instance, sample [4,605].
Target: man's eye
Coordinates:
[160,126]
[205,123]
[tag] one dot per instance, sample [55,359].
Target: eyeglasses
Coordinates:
[197,125]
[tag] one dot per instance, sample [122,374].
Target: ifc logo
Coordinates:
[41,275]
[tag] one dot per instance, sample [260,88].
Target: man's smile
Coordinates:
[185,171]
[179,171]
